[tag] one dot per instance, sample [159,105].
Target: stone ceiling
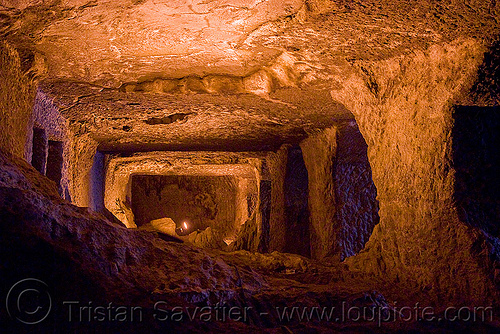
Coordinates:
[138,121]
[255,73]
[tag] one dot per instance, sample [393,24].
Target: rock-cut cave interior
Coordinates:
[249,166]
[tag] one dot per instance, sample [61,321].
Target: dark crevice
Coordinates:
[296,204]
[167,119]
[477,164]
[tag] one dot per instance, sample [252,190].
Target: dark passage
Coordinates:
[356,205]
[265,209]
[39,157]
[202,201]
[296,204]
[476,159]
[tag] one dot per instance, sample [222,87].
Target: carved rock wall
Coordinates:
[17,92]
[404,109]
[342,196]
[319,152]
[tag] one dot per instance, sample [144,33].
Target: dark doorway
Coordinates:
[39,153]
[356,205]
[476,134]
[265,210]
[201,201]
[97,181]
[296,204]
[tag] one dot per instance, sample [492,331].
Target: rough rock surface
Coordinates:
[355,193]
[136,121]
[136,268]
[114,78]
[407,127]
[15,106]
[318,151]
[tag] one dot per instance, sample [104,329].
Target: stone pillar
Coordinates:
[318,151]
[83,150]
[17,92]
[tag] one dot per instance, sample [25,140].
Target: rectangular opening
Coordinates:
[265,209]
[39,153]
[201,201]
[296,204]
[476,134]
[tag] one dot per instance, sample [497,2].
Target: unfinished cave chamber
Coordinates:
[167,193]
[172,161]
[251,200]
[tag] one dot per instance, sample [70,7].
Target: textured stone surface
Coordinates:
[136,268]
[122,121]
[120,77]
[130,41]
[356,204]
[16,95]
[134,40]
[407,127]
[131,267]
[319,151]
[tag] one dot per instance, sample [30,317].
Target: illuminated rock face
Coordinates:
[413,154]
[358,134]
